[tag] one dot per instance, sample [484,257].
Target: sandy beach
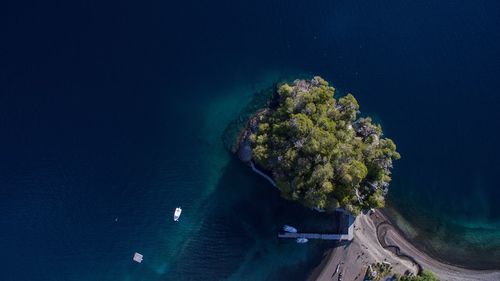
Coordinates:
[377,240]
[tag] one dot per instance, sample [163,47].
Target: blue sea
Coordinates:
[112,114]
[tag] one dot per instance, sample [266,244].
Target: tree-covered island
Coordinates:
[317,149]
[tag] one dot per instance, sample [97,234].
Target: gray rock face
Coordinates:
[245,152]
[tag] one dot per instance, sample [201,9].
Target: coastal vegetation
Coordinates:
[380,271]
[426,275]
[318,150]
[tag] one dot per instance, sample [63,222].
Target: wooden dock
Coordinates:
[329,236]
[337,237]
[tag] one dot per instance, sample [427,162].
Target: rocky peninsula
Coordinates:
[317,151]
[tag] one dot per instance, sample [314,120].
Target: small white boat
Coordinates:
[177,213]
[290,229]
[302,240]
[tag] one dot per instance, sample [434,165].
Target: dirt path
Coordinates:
[377,240]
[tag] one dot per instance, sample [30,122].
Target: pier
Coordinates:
[347,218]
[327,236]
[338,237]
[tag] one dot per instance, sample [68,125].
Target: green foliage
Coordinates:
[378,271]
[426,275]
[376,200]
[319,152]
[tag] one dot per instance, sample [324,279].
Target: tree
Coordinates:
[426,275]
[318,150]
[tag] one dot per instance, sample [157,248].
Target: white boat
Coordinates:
[177,213]
[302,240]
[290,229]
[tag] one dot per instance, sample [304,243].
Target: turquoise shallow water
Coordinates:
[114,114]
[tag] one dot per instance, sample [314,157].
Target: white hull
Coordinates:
[290,229]
[177,213]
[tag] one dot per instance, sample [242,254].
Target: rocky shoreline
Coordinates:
[377,239]
[242,146]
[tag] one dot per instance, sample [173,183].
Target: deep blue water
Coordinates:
[115,111]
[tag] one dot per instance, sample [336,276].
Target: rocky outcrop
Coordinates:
[243,147]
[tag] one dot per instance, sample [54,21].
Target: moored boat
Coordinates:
[302,240]
[290,229]
[177,213]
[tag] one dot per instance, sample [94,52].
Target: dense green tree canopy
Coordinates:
[319,151]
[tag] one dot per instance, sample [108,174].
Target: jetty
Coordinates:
[325,236]
[338,237]
[348,220]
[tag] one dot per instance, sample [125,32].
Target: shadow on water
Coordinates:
[239,233]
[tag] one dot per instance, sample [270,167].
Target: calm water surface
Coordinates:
[113,114]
